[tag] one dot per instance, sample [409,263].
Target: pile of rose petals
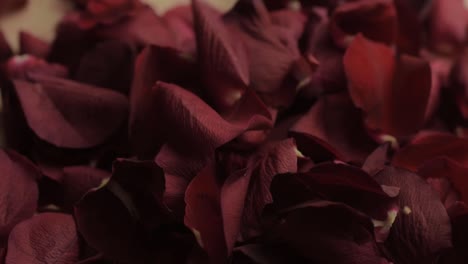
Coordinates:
[281,131]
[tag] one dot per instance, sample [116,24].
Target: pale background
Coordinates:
[40,16]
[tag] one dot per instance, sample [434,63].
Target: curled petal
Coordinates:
[30,241]
[376,20]
[30,44]
[336,125]
[423,232]
[69,114]
[429,145]
[393,90]
[224,64]
[19,191]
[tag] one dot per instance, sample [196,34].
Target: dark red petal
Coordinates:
[417,236]
[126,219]
[179,170]
[191,126]
[19,191]
[448,23]
[330,75]
[376,20]
[152,64]
[143,28]
[70,43]
[20,67]
[30,44]
[44,238]
[459,84]
[224,65]
[327,232]
[180,20]
[340,183]
[108,65]
[78,180]
[5,49]
[377,160]
[69,114]
[409,27]
[448,178]
[271,58]
[265,254]
[429,145]
[203,213]
[290,25]
[336,125]
[246,191]
[392,90]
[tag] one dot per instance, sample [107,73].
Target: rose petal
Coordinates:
[409,26]
[336,125]
[191,126]
[109,65]
[203,213]
[30,44]
[180,20]
[69,114]
[376,20]
[20,67]
[19,191]
[152,64]
[448,178]
[335,182]
[133,223]
[78,180]
[143,28]
[224,65]
[418,236]
[327,232]
[330,76]
[273,58]
[448,22]
[44,238]
[70,44]
[377,160]
[393,90]
[245,192]
[429,145]
[5,49]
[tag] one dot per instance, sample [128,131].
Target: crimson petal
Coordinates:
[30,44]
[152,64]
[429,145]
[448,22]
[203,213]
[419,235]
[245,192]
[273,58]
[126,219]
[109,65]
[376,20]
[191,126]
[336,125]
[327,232]
[224,64]
[335,182]
[30,241]
[69,114]
[78,180]
[19,191]
[392,90]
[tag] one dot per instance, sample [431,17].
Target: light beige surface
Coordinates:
[40,16]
